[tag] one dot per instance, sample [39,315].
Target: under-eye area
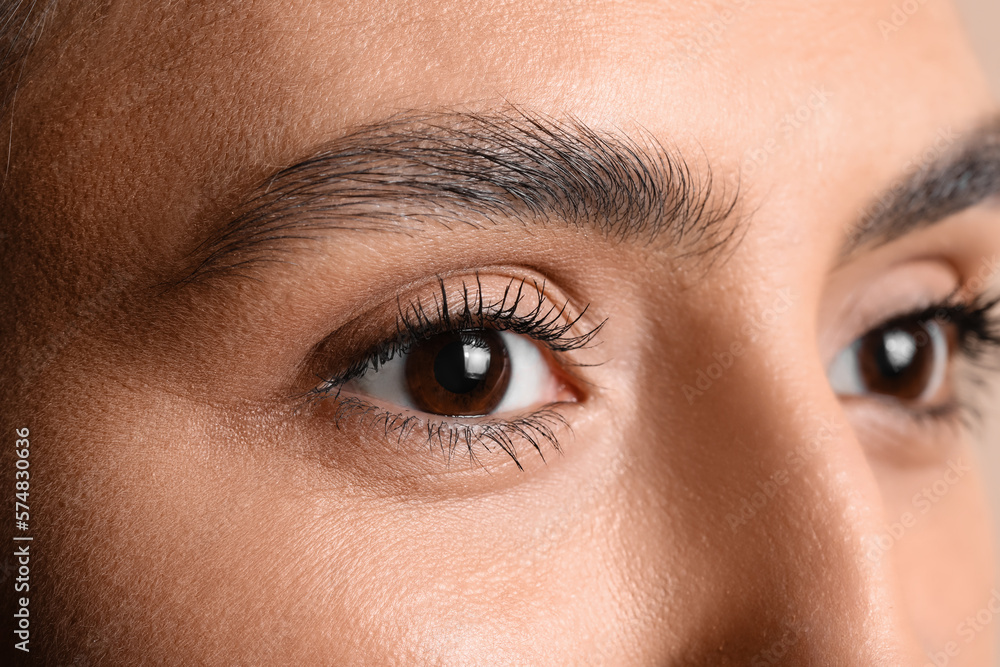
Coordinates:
[915,375]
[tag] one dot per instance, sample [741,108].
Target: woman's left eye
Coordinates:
[467,373]
[907,359]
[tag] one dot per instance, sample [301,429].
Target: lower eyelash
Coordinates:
[537,429]
[544,322]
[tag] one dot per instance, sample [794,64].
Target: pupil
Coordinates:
[460,366]
[898,361]
[460,374]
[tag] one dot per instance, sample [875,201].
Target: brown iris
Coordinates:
[460,374]
[899,360]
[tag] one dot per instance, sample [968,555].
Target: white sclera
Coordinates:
[844,372]
[387,384]
[530,378]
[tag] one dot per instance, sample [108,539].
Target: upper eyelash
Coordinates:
[977,323]
[978,327]
[545,323]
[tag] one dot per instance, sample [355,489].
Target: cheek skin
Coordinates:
[176,528]
[950,524]
[346,574]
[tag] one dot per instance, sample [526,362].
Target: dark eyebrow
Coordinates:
[21,26]
[455,169]
[955,174]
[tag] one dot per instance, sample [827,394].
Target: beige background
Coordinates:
[983,23]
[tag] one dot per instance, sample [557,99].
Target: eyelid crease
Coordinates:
[543,321]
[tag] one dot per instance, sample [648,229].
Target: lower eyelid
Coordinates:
[902,436]
[536,431]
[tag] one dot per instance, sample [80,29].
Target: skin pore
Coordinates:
[704,494]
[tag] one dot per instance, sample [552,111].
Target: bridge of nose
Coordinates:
[781,504]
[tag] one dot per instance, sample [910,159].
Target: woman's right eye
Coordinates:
[466,373]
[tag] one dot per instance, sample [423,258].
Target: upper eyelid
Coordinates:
[950,310]
[547,321]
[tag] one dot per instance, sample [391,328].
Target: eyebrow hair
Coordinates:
[455,169]
[21,25]
[948,181]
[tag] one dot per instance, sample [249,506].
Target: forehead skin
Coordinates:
[218,91]
[128,142]
[181,100]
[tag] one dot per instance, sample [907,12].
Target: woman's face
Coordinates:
[537,332]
